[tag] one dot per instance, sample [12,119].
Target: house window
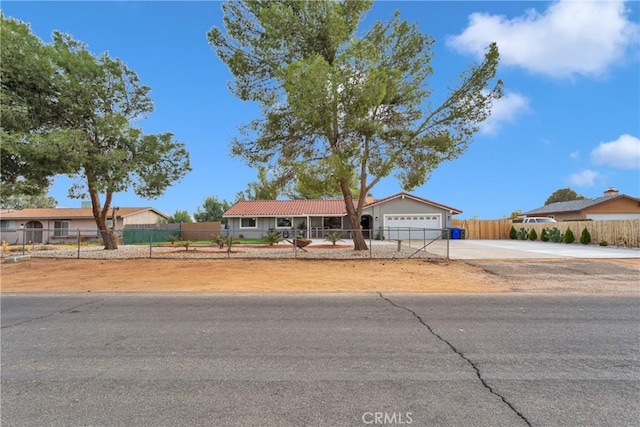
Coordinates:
[248,223]
[6,225]
[283,222]
[333,222]
[60,228]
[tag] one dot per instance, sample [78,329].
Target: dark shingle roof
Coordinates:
[570,206]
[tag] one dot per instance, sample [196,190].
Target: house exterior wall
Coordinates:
[139,218]
[621,205]
[86,228]
[565,216]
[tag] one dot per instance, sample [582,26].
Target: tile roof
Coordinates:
[573,205]
[309,207]
[67,213]
[287,207]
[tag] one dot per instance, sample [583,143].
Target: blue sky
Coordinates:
[570,116]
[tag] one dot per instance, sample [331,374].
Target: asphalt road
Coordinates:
[326,360]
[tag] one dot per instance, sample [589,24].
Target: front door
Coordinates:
[366,222]
[33,232]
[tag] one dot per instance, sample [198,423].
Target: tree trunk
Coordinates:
[359,243]
[109,239]
[100,216]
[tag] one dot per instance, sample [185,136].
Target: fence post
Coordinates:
[150,243]
[24,236]
[78,243]
[370,244]
[448,239]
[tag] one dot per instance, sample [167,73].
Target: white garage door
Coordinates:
[608,217]
[412,226]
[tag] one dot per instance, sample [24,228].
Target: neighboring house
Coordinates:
[51,225]
[610,206]
[401,216]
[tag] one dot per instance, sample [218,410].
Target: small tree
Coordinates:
[272,237]
[555,235]
[179,217]
[568,236]
[513,234]
[585,237]
[211,210]
[333,237]
[533,236]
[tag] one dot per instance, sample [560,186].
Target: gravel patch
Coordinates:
[379,250]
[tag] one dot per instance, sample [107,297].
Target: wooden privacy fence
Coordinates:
[484,229]
[615,232]
[199,230]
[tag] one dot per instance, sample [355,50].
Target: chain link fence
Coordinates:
[172,243]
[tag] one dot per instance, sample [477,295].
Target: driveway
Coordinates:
[520,249]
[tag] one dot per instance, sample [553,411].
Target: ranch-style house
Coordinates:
[401,216]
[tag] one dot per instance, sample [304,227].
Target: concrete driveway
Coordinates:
[522,249]
[516,249]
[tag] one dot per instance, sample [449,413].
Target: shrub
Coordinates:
[585,237]
[568,236]
[555,235]
[272,237]
[544,236]
[533,236]
[522,234]
[513,235]
[186,244]
[603,243]
[333,237]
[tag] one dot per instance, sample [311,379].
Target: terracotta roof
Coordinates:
[287,207]
[67,213]
[310,207]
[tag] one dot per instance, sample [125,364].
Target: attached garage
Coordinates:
[412,226]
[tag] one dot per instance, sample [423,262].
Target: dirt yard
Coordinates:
[260,275]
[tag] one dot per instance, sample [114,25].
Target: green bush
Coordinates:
[333,237]
[585,237]
[568,236]
[533,236]
[604,243]
[522,234]
[272,237]
[513,235]
[555,235]
[544,236]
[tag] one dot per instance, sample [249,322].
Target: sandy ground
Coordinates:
[260,275]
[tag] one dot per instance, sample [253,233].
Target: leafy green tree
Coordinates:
[179,217]
[84,130]
[563,195]
[29,89]
[262,189]
[347,101]
[513,234]
[21,201]
[211,210]
[533,236]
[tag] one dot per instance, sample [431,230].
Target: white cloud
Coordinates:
[570,37]
[575,155]
[622,153]
[504,110]
[585,178]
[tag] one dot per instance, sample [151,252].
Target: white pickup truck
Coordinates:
[535,219]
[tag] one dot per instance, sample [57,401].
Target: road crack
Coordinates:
[465,358]
[50,314]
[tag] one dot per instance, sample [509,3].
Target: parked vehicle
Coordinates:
[535,219]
